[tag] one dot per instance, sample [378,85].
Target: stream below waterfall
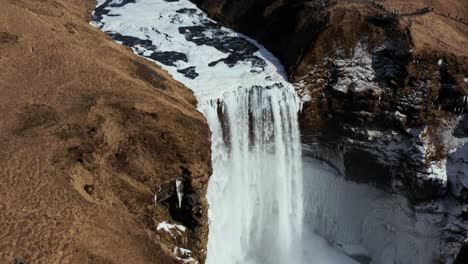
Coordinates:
[262,208]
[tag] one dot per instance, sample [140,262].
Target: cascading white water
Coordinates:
[255,192]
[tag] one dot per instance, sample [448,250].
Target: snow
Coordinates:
[169,228]
[399,116]
[436,169]
[373,134]
[158,21]
[365,220]
[303,92]
[354,249]
[356,74]
[184,255]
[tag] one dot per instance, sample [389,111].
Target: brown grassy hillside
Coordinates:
[88,133]
[436,31]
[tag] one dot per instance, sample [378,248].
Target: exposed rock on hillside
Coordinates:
[92,141]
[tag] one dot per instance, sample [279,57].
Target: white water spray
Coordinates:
[255,192]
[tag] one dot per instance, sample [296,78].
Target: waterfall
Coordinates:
[255,193]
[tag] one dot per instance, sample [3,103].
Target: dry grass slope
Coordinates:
[87,133]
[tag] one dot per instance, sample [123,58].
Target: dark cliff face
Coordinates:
[364,71]
[286,28]
[385,95]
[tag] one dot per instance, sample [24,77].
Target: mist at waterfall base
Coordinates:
[256,197]
[255,192]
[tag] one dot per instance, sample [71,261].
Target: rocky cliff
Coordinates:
[364,71]
[93,140]
[384,86]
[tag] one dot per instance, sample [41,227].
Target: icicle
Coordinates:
[180,191]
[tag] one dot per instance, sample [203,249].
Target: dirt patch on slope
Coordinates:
[6,38]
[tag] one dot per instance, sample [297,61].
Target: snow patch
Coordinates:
[303,92]
[356,74]
[436,169]
[184,255]
[373,134]
[169,228]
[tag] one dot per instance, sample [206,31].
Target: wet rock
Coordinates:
[132,41]
[464,213]
[462,256]
[19,261]
[182,202]
[461,130]
[390,59]
[363,167]
[457,170]
[168,57]
[189,72]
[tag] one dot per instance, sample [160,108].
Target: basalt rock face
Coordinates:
[286,28]
[92,140]
[385,93]
[369,80]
